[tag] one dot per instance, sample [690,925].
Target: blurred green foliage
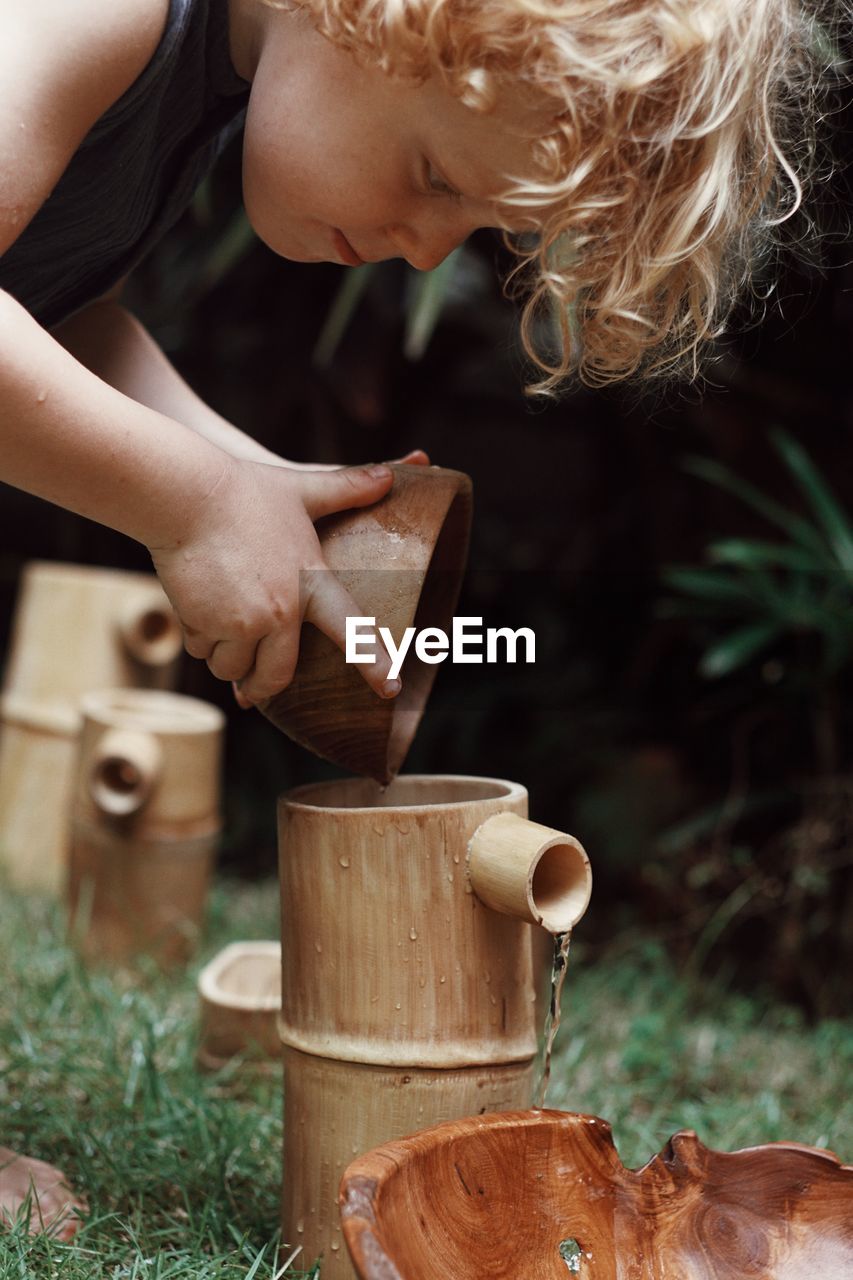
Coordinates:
[766,590]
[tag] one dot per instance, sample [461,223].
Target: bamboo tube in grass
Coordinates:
[405,999]
[75,629]
[145,825]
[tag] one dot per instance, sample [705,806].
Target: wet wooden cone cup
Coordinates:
[402,559]
[75,629]
[145,825]
[405,1000]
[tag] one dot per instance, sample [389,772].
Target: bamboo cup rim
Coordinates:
[411,792]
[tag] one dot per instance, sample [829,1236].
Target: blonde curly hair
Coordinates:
[680,139]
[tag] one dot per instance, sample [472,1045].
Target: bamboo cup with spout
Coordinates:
[405,999]
[145,824]
[75,629]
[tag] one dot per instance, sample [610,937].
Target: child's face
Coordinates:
[343,163]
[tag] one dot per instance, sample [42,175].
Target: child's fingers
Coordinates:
[329,606]
[414,458]
[324,492]
[196,643]
[232,659]
[275,663]
[239,697]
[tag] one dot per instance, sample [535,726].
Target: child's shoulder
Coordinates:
[61,66]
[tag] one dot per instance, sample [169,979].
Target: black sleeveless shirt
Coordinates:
[135,171]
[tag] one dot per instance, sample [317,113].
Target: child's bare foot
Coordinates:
[38,1191]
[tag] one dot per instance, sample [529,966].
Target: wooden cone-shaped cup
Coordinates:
[402,560]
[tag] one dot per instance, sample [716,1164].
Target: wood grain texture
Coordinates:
[496,1196]
[387,955]
[402,559]
[75,629]
[334,1109]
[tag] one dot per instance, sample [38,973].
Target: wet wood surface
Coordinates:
[544,1195]
[402,560]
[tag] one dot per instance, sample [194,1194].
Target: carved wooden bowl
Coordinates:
[542,1195]
[402,560]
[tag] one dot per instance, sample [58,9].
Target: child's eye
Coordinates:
[436,183]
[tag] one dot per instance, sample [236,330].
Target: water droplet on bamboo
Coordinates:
[413,934]
[344,862]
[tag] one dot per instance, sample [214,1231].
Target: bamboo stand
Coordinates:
[405,1000]
[145,825]
[76,629]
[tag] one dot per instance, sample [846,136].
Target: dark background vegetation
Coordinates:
[717,811]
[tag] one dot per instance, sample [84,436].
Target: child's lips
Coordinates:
[344,250]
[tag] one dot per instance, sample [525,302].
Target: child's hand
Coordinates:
[250,569]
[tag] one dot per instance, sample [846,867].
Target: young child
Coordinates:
[639,150]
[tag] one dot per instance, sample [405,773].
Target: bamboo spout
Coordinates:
[523,869]
[150,631]
[124,770]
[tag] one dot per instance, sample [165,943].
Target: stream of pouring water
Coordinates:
[562,942]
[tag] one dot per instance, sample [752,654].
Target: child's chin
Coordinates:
[288,247]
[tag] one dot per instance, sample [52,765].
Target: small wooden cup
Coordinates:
[402,560]
[240,997]
[543,1194]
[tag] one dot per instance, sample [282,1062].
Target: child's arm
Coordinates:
[111,343]
[228,536]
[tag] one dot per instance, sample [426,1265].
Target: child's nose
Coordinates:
[424,248]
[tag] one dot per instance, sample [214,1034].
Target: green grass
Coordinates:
[182,1171]
[653,1051]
